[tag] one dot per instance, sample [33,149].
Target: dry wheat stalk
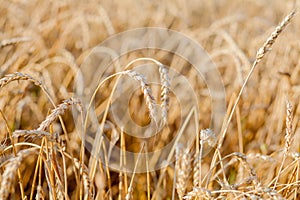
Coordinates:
[13,41]
[150,101]
[84,171]
[9,174]
[59,110]
[182,168]
[165,90]
[130,188]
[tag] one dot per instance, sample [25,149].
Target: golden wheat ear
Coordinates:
[13,41]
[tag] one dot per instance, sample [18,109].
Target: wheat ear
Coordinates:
[9,174]
[150,101]
[12,41]
[165,90]
[182,168]
[288,137]
[59,110]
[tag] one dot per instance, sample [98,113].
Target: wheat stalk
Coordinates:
[130,188]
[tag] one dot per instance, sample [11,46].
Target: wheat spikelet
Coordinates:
[183,168]
[165,90]
[59,110]
[150,101]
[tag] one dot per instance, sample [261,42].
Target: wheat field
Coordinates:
[48,138]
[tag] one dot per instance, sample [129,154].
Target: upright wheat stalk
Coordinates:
[259,56]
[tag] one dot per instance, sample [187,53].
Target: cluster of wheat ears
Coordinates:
[254,156]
